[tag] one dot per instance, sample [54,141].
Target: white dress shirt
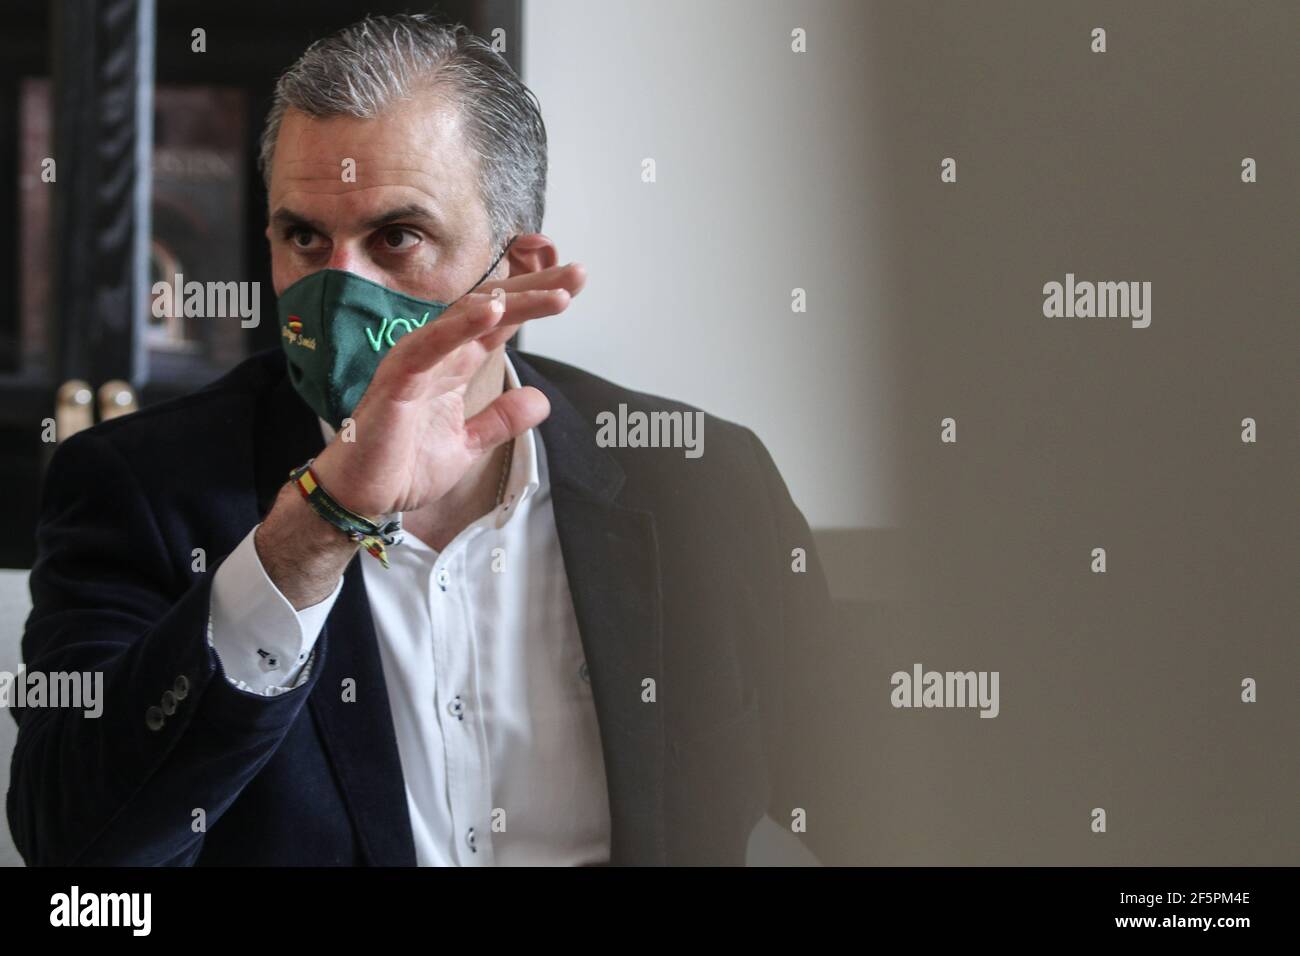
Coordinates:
[491,703]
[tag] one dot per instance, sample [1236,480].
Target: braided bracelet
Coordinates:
[372,536]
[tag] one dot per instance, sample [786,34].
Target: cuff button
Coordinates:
[154,719]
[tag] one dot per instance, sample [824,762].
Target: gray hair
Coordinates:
[366,67]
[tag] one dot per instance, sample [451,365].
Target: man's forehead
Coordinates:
[417,146]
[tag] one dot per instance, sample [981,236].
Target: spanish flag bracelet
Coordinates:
[372,536]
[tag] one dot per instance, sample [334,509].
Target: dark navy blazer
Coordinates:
[681,570]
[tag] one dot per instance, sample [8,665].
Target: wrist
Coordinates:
[301,554]
[332,476]
[292,521]
[374,535]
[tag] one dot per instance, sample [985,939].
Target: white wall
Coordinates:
[764,184]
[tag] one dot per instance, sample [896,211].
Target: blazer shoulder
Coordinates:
[591,395]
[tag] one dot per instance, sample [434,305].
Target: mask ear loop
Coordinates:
[504,250]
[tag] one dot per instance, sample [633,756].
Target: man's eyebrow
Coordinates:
[287,217]
[411,211]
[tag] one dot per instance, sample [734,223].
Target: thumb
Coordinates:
[510,415]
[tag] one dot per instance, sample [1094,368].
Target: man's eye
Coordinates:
[398,239]
[302,238]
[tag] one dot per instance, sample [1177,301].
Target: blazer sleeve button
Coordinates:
[154,719]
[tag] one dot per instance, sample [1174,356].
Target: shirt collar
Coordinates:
[524,477]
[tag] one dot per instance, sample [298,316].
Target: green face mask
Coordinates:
[336,327]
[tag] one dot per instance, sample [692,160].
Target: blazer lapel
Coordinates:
[611,559]
[357,735]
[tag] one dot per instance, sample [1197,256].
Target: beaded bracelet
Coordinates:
[372,536]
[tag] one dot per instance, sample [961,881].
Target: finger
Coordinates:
[571,277]
[421,350]
[446,352]
[512,413]
[524,307]
[457,325]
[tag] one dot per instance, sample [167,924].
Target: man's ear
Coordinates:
[531,252]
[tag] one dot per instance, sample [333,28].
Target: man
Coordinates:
[465,631]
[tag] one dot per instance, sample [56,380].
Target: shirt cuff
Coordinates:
[265,646]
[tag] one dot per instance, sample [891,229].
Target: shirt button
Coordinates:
[470,839]
[443,578]
[154,719]
[168,703]
[584,673]
[181,688]
[456,708]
